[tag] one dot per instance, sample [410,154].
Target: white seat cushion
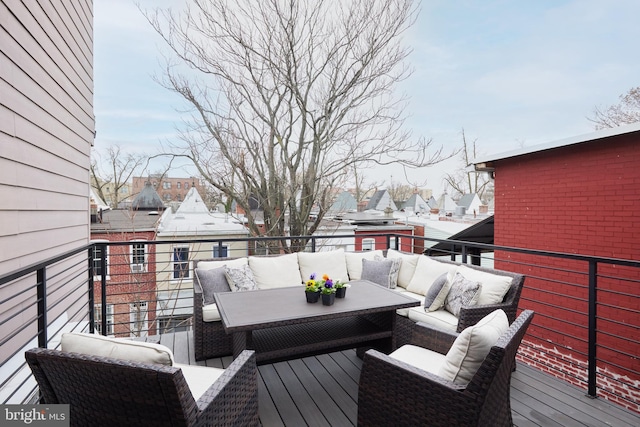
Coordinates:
[210,313]
[440,318]
[472,346]
[275,271]
[354,262]
[331,263]
[426,272]
[494,286]
[117,348]
[199,378]
[407,266]
[422,358]
[405,311]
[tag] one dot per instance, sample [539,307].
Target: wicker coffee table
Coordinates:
[279,324]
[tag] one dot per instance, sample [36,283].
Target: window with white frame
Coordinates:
[220,251]
[368,244]
[139,319]
[138,257]
[393,243]
[97,316]
[97,259]
[181,262]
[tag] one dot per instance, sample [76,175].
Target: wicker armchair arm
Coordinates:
[432,337]
[392,392]
[233,398]
[469,316]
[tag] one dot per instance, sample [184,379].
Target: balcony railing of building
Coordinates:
[585,331]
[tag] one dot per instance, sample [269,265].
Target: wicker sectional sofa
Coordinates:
[411,274]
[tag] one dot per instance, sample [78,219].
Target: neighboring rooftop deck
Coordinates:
[298,392]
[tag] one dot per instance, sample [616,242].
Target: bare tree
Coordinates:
[625,112]
[463,181]
[400,192]
[110,175]
[288,97]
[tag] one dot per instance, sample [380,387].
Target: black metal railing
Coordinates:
[114,288]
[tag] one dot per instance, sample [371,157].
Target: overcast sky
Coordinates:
[512,73]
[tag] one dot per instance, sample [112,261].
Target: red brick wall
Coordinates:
[125,287]
[585,200]
[406,243]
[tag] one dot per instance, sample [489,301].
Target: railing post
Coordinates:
[92,300]
[463,252]
[592,359]
[41,286]
[313,244]
[103,288]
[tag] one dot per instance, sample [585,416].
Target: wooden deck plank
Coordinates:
[342,399]
[337,370]
[269,416]
[563,402]
[308,399]
[289,413]
[289,392]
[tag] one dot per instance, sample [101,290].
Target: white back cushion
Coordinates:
[135,351]
[275,271]
[494,286]
[407,266]
[472,346]
[231,263]
[330,262]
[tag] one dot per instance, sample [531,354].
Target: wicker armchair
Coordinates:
[469,316]
[210,339]
[103,391]
[392,392]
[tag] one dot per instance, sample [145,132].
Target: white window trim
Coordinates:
[369,242]
[137,267]
[97,313]
[106,276]
[173,264]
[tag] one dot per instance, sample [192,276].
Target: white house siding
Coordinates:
[46,132]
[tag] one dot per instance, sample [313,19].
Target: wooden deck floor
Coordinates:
[291,393]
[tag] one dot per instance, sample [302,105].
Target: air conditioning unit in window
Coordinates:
[137,268]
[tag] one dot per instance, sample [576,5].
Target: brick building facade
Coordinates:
[576,196]
[169,189]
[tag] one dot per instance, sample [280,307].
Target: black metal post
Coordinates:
[592,363]
[92,300]
[103,287]
[41,292]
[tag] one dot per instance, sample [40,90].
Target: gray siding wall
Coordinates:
[46,128]
[46,132]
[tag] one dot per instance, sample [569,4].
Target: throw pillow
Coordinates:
[241,279]
[407,266]
[472,346]
[377,271]
[395,269]
[354,262]
[463,292]
[426,272]
[212,281]
[433,300]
